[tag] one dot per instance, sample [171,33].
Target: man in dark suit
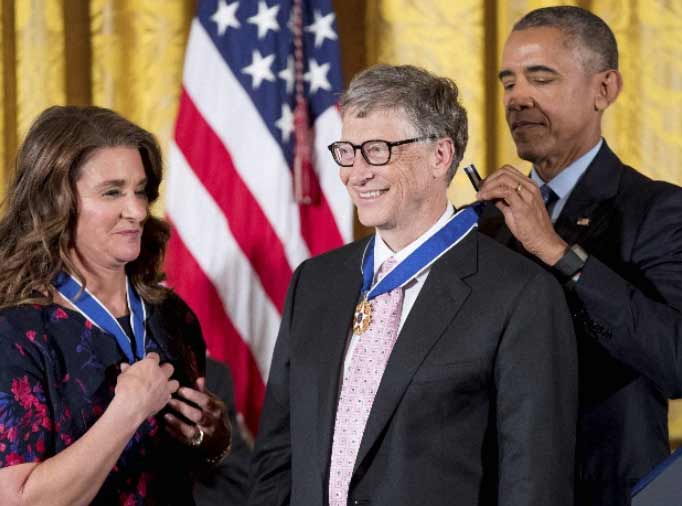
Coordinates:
[610,234]
[426,364]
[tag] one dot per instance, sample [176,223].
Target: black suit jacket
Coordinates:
[477,404]
[626,311]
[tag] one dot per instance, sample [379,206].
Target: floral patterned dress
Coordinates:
[57,376]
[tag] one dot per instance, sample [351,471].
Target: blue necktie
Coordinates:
[549,197]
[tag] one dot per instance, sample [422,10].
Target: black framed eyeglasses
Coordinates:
[374,151]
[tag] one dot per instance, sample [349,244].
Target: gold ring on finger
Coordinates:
[519,188]
[197,438]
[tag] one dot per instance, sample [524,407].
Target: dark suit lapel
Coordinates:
[344,288]
[438,302]
[588,208]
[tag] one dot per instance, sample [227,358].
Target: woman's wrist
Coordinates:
[124,408]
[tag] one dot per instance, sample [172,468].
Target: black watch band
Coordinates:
[571,262]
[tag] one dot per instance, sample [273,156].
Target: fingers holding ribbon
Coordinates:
[508,186]
[199,419]
[520,201]
[145,386]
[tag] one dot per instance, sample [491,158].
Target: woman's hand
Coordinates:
[208,416]
[75,474]
[145,386]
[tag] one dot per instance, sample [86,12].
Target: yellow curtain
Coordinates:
[448,38]
[122,54]
[645,126]
[464,40]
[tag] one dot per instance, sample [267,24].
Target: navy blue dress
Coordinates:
[57,376]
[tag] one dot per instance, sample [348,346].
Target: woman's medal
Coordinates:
[97,313]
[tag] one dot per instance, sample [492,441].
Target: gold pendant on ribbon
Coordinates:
[362,317]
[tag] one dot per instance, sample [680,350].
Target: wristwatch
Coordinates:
[571,263]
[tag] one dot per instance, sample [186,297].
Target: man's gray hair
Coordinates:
[582,29]
[431,103]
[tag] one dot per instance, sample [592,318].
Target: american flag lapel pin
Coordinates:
[583,222]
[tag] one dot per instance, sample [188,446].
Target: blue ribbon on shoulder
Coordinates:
[92,309]
[433,248]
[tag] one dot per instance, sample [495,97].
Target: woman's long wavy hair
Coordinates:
[38,225]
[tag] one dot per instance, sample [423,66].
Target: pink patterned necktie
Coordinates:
[360,384]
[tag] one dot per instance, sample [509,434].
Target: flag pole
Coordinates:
[304,192]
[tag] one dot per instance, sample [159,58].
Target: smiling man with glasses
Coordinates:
[424,364]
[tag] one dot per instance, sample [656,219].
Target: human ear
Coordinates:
[610,82]
[443,155]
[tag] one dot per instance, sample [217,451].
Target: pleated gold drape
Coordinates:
[448,38]
[123,54]
[127,55]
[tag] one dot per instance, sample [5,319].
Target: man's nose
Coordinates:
[360,171]
[518,97]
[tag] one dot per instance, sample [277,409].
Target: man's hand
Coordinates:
[520,201]
[206,412]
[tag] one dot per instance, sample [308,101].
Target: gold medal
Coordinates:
[362,317]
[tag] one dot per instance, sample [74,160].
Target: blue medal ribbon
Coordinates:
[92,309]
[433,248]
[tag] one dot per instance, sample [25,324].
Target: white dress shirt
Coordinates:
[411,290]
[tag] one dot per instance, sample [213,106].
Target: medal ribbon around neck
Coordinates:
[431,250]
[92,309]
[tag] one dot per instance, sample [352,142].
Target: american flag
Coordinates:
[257,75]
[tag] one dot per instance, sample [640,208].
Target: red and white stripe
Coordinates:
[238,234]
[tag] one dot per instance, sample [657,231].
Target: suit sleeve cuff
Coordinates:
[604,295]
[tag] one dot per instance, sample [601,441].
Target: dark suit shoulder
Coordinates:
[637,189]
[647,214]
[506,265]
[351,252]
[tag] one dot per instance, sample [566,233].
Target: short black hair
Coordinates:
[581,27]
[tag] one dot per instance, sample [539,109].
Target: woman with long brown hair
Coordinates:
[102,395]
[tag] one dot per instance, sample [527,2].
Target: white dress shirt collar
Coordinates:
[382,252]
